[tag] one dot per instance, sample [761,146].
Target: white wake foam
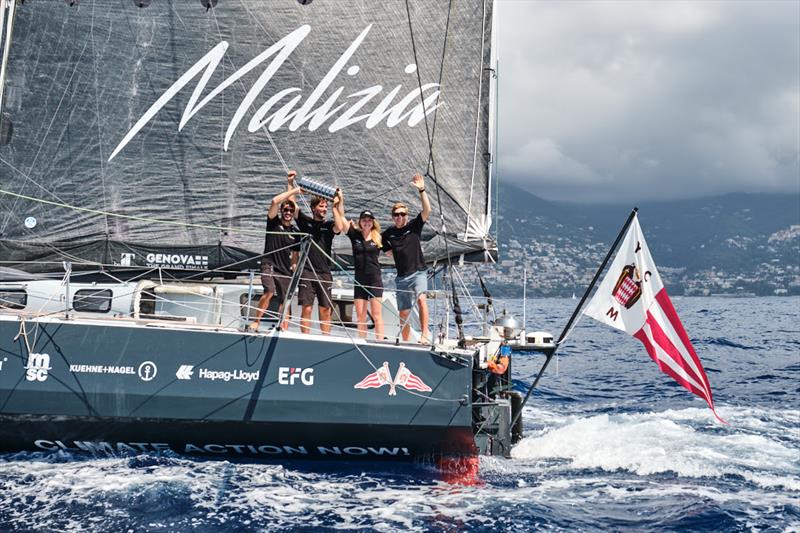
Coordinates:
[686,442]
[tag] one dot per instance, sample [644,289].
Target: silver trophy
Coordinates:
[314,187]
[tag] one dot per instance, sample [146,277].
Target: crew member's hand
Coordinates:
[337,198]
[290,177]
[418,182]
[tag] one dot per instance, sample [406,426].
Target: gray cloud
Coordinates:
[645,100]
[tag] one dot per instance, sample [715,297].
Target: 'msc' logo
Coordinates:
[37,367]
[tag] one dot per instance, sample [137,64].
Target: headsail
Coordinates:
[156,136]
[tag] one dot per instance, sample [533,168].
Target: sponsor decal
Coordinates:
[290,108]
[218,449]
[37,367]
[186,261]
[127,259]
[101,369]
[185,372]
[383,376]
[288,375]
[227,375]
[147,371]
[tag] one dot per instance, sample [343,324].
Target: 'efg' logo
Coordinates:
[288,375]
[37,367]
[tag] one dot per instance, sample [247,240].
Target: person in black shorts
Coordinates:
[402,241]
[280,255]
[316,279]
[366,240]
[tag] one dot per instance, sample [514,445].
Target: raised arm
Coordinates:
[290,176]
[419,183]
[340,222]
[277,200]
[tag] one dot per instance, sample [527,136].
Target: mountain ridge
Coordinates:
[736,243]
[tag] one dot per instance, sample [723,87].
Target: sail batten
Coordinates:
[171,127]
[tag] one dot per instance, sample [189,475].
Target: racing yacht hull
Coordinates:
[130,386]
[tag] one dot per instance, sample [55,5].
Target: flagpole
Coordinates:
[575,313]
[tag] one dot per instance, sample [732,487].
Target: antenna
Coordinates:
[524,299]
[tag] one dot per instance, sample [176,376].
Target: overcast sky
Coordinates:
[635,100]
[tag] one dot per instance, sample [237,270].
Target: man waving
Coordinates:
[402,241]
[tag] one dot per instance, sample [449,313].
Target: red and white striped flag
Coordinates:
[633,299]
[382,376]
[404,378]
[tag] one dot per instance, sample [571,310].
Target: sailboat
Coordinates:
[140,145]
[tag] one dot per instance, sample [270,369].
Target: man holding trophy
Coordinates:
[316,279]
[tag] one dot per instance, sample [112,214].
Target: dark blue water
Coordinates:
[610,444]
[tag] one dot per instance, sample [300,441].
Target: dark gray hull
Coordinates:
[129,387]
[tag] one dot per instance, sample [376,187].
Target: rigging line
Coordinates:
[263,128]
[143,51]
[345,271]
[432,132]
[5,42]
[366,357]
[465,291]
[143,219]
[97,120]
[441,75]
[305,82]
[222,174]
[46,133]
[477,117]
[431,162]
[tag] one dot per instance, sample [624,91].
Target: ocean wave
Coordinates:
[686,442]
[721,341]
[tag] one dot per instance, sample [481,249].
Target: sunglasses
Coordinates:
[288,210]
[399,214]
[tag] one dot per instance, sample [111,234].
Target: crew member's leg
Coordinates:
[281,290]
[375,309]
[268,282]
[361,316]
[422,301]
[323,287]
[420,288]
[405,301]
[305,298]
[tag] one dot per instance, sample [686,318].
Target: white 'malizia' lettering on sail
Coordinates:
[306,113]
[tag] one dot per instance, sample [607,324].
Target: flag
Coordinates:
[632,298]
[379,378]
[404,378]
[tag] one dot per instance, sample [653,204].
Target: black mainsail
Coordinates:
[156,135]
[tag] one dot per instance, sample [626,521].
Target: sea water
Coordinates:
[611,444]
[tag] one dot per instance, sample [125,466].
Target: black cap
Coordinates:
[366,213]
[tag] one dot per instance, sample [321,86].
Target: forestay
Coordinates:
[156,136]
